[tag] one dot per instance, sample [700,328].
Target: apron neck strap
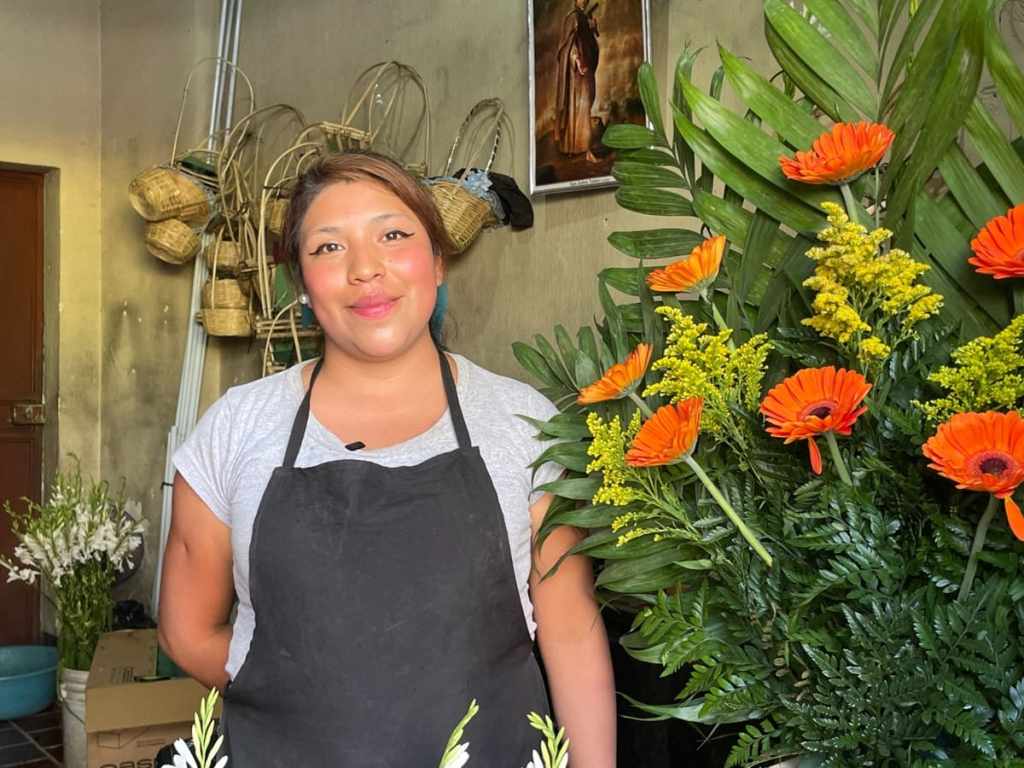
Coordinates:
[301,420]
[302,417]
[454,407]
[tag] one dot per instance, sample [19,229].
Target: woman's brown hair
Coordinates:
[347,167]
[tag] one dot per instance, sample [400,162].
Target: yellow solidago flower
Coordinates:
[867,299]
[987,375]
[701,364]
[872,349]
[608,450]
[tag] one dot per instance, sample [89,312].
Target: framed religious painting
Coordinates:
[584,57]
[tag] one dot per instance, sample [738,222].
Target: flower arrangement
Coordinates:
[859,604]
[76,542]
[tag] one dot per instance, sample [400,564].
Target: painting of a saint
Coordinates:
[578,56]
[584,58]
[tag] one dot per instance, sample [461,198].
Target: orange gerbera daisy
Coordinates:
[668,436]
[694,273]
[999,247]
[840,155]
[815,401]
[619,380]
[983,452]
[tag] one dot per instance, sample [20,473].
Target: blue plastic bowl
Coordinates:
[28,679]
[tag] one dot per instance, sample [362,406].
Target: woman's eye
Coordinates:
[325,248]
[397,234]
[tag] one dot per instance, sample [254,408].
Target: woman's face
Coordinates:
[369,269]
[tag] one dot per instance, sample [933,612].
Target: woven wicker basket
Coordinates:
[463,213]
[162,193]
[225,293]
[227,322]
[172,241]
[225,257]
[276,211]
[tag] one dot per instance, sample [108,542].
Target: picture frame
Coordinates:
[583,59]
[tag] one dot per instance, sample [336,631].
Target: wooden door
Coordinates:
[21,380]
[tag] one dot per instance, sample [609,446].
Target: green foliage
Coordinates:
[852,649]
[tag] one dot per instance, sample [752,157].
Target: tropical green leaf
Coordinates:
[761,193]
[534,362]
[944,116]
[578,488]
[651,100]
[626,280]
[753,147]
[776,109]
[554,362]
[654,202]
[646,175]
[995,151]
[1008,77]
[977,199]
[655,243]
[906,49]
[629,136]
[613,316]
[846,32]
[683,73]
[647,156]
[821,56]
[569,455]
[966,293]
[808,81]
[756,249]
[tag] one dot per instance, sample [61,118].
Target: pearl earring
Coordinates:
[304,299]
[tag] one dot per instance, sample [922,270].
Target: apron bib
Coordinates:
[385,599]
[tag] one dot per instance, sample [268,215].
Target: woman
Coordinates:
[374,514]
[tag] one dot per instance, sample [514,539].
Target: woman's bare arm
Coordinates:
[574,646]
[197,589]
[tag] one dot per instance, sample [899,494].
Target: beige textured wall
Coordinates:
[50,118]
[148,48]
[510,285]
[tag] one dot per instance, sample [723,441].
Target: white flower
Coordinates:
[183,757]
[457,757]
[535,762]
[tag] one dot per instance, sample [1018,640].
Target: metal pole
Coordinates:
[195,344]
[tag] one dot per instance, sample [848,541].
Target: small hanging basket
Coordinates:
[277,209]
[227,322]
[225,258]
[163,193]
[225,293]
[172,241]
[464,213]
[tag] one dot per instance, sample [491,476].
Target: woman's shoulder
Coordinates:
[272,390]
[502,393]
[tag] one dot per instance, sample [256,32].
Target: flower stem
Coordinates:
[644,408]
[878,203]
[729,511]
[719,320]
[976,547]
[853,209]
[837,458]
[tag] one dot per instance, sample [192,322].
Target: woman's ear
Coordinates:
[439,271]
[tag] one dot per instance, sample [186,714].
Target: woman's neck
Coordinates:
[369,380]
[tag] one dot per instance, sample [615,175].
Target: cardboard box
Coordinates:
[136,701]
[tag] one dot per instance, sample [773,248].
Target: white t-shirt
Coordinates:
[241,439]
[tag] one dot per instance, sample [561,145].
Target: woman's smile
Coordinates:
[374,307]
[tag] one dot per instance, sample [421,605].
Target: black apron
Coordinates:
[385,600]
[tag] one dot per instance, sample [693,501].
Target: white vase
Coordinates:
[72,696]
